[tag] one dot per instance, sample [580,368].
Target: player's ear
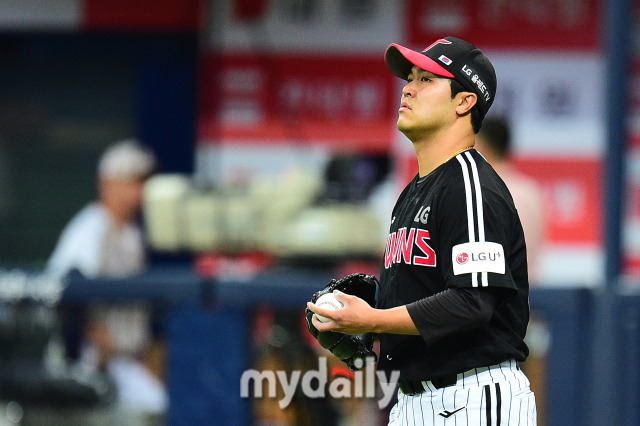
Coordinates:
[464,102]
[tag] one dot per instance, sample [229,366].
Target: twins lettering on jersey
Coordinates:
[409,245]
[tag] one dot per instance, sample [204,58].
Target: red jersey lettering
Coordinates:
[390,251]
[404,245]
[400,246]
[429,259]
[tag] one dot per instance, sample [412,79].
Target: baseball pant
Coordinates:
[490,396]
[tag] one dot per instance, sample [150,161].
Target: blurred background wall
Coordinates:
[76,77]
[215,86]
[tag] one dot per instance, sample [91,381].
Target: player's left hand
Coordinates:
[356,317]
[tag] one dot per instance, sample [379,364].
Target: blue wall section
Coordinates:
[166,107]
[567,313]
[207,353]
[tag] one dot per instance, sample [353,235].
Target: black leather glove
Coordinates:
[355,350]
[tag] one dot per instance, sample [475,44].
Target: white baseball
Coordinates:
[328,301]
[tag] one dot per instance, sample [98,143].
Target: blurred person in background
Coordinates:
[104,240]
[494,143]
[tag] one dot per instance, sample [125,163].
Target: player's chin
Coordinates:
[410,131]
[403,123]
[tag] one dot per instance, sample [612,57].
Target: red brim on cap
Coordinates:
[400,60]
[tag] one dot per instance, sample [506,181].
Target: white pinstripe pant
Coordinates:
[490,396]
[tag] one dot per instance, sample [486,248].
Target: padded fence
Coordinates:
[208,330]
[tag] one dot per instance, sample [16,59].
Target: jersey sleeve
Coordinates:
[451,311]
[475,223]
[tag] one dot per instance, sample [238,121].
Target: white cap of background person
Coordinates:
[123,170]
[126,160]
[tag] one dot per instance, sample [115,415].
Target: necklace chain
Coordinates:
[461,150]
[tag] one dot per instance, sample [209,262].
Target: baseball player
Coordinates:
[453,303]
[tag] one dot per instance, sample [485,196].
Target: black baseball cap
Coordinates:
[449,57]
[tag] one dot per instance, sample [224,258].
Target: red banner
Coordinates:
[571,190]
[540,24]
[159,15]
[341,101]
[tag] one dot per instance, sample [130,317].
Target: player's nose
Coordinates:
[407,90]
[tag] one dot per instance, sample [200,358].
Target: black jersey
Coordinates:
[456,228]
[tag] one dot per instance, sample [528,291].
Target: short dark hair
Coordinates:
[496,133]
[476,115]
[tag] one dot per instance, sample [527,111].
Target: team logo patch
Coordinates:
[445,60]
[478,257]
[439,41]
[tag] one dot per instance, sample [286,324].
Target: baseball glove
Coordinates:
[355,350]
